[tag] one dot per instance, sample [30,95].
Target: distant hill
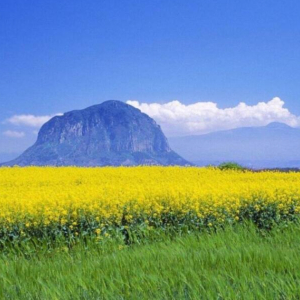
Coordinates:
[8,156]
[276,145]
[109,134]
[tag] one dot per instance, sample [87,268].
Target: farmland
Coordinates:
[123,233]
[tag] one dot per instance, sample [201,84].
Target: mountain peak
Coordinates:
[113,103]
[111,133]
[278,125]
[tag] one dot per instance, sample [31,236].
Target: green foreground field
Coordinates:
[235,263]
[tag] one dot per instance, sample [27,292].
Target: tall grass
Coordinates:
[235,263]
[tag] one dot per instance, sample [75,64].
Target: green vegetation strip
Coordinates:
[235,263]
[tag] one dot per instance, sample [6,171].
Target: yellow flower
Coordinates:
[49,197]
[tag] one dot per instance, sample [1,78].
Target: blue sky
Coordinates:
[57,56]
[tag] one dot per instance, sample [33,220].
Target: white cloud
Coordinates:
[29,120]
[176,118]
[14,134]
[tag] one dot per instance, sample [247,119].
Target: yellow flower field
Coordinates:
[91,199]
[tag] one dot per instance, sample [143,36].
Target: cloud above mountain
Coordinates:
[177,118]
[14,134]
[29,120]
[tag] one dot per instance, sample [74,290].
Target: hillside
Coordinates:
[271,146]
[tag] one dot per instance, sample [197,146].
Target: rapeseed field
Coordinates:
[134,202]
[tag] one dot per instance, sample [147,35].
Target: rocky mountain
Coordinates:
[109,134]
[273,146]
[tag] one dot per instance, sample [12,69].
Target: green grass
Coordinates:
[235,263]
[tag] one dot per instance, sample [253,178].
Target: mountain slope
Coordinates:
[111,133]
[274,145]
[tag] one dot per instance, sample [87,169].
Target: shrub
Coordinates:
[231,166]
